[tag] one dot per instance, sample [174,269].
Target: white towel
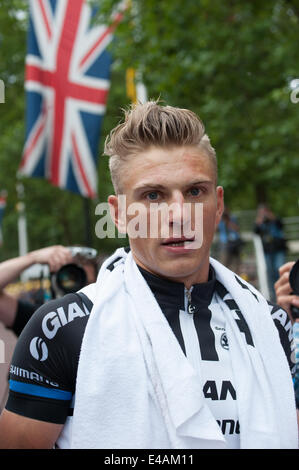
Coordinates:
[136,389]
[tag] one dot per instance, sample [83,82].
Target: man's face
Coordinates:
[181,178]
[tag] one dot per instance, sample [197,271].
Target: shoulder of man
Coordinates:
[51,318]
[284,326]
[44,364]
[56,326]
[281,318]
[51,340]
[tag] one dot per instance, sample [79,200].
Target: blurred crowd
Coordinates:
[269,227]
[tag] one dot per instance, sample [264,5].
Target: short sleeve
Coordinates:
[45,360]
[284,327]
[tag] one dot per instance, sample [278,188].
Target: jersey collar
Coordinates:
[171,293]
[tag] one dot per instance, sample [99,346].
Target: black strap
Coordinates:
[85,300]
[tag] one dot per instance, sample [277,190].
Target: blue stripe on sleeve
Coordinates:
[38,391]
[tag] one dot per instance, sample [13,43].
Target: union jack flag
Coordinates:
[67,83]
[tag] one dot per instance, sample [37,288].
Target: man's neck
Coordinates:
[200,276]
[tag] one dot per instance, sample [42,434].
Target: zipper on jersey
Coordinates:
[189,332]
[190,308]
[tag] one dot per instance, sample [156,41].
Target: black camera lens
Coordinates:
[294,278]
[70,278]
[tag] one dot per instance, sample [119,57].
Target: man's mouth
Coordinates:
[180,242]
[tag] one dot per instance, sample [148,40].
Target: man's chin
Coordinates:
[192,264]
[177,271]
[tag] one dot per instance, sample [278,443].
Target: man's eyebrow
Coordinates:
[195,182]
[198,183]
[160,187]
[149,186]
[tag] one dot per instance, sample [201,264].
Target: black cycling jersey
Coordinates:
[24,312]
[45,361]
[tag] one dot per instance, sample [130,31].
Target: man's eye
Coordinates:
[153,195]
[195,191]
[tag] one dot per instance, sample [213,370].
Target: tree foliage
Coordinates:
[53,215]
[231,62]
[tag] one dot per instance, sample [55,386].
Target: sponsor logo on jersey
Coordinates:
[51,324]
[224,341]
[31,375]
[53,321]
[38,349]
[229,426]
[220,391]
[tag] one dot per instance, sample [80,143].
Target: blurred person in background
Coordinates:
[16,311]
[283,291]
[290,303]
[270,228]
[230,241]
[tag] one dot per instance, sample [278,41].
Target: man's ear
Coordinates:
[117,206]
[220,204]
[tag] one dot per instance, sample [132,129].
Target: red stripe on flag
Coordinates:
[74,90]
[45,18]
[90,192]
[33,142]
[63,86]
[36,74]
[65,50]
[104,35]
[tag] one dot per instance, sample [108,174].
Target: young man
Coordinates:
[178,351]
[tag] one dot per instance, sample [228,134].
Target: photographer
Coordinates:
[230,241]
[283,290]
[270,229]
[14,312]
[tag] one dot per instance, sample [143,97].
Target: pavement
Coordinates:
[7,345]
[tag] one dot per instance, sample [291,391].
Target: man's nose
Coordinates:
[176,208]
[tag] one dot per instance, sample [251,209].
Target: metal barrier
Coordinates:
[291,230]
[261,267]
[260,262]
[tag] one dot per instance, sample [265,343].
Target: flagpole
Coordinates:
[22,222]
[136,90]
[87,220]
[141,92]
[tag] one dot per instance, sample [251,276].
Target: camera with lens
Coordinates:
[294,283]
[72,277]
